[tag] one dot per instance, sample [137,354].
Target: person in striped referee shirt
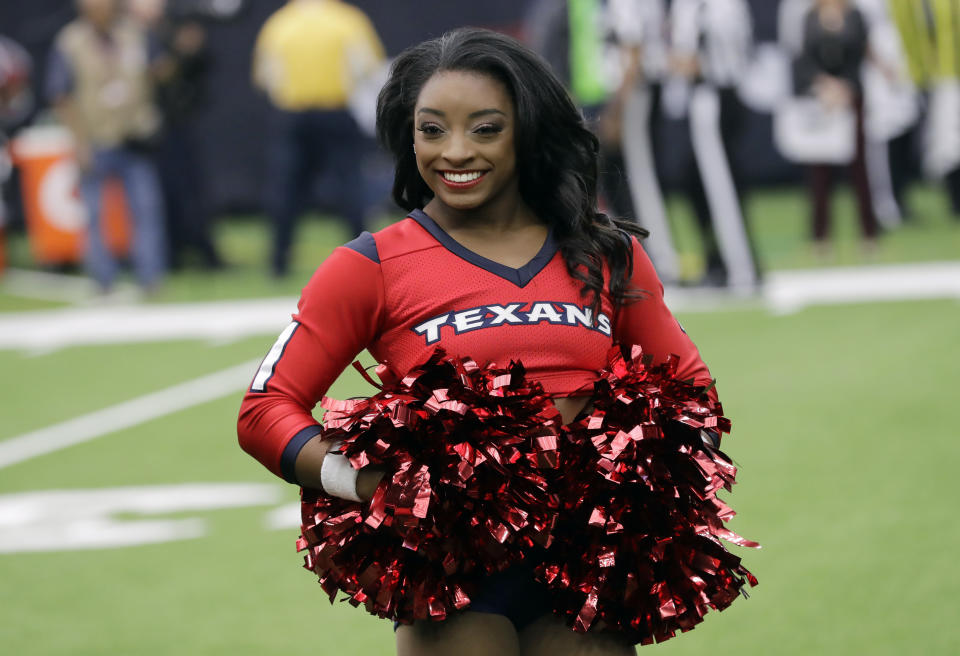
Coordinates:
[711,42]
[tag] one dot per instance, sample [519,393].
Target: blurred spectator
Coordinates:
[930,30]
[711,42]
[16,98]
[891,113]
[181,65]
[16,101]
[307,58]
[641,30]
[98,80]
[835,41]
[577,38]
[891,104]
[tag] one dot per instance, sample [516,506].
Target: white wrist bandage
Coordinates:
[337,475]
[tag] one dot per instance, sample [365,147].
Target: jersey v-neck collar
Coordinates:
[519,277]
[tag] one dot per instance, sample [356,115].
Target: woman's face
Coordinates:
[464,140]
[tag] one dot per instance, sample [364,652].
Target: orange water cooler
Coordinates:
[56,218]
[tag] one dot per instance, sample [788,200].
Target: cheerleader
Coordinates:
[502,257]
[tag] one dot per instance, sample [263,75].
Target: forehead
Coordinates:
[463,91]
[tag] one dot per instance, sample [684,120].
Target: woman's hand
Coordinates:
[367,481]
[833,92]
[310,464]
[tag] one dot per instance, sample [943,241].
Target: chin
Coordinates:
[460,203]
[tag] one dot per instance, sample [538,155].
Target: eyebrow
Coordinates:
[476,114]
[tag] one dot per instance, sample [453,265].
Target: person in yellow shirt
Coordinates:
[309,58]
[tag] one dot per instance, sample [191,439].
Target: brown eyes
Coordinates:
[488,129]
[432,130]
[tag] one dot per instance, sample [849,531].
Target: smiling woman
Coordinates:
[466,154]
[511,121]
[503,258]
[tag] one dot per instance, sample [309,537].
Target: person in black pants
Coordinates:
[181,70]
[834,48]
[309,59]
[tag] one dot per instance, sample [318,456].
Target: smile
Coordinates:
[462,179]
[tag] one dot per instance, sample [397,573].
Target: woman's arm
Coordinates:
[648,322]
[338,315]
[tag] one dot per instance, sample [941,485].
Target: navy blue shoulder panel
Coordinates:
[366,245]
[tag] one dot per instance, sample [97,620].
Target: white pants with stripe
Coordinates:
[720,189]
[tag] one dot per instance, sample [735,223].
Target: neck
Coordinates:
[504,215]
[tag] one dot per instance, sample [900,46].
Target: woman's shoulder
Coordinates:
[402,237]
[367,250]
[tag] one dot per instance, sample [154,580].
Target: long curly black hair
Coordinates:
[557,156]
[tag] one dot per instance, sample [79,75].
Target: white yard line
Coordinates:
[126,415]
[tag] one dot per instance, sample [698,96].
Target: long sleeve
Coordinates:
[338,315]
[648,322]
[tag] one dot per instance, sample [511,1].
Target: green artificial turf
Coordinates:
[843,432]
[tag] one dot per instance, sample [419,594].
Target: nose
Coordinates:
[458,150]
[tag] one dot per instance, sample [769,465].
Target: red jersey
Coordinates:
[410,288]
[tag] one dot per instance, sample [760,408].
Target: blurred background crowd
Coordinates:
[128,126]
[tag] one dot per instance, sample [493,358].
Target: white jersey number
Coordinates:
[265,373]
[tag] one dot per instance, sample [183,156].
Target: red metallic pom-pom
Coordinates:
[468,451]
[637,549]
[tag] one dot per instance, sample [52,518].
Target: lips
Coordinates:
[462,179]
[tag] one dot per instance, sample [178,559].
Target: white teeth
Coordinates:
[461,177]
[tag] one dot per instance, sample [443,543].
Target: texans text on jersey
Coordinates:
[513,314]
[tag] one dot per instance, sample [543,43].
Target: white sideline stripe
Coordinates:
[47,286]
[790,292]
[44,330]
[127,414]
